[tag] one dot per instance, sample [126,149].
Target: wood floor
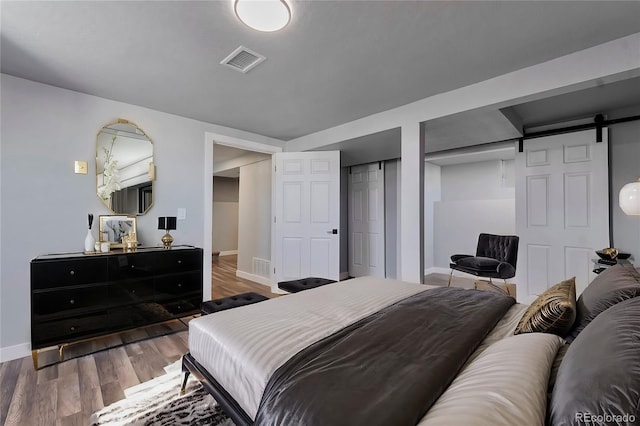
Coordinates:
[68,393]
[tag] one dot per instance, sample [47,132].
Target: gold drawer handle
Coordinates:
[72,301]
[72,272]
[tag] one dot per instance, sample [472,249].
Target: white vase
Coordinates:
[89,242]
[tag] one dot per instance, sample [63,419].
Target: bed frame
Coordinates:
[222,397]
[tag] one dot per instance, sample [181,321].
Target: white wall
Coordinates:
[45,205]
[476,197]
[225,214]
[254,222]
[391,217]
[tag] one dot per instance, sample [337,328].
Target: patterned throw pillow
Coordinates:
[554,311]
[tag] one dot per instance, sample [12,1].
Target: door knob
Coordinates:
[334,231]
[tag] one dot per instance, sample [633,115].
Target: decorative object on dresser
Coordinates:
[168,223]
[89,241]
[114,228]
[76,297]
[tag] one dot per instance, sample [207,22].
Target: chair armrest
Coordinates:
[457,257]
[505,270]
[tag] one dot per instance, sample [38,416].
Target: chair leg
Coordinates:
[184,382]
[506,286]
[450,277]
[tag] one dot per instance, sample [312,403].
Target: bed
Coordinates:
[374,351]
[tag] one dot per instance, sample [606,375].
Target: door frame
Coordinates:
[211,139]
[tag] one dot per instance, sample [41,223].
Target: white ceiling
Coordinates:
[336,62]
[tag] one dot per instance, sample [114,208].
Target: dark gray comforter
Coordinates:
[387,369]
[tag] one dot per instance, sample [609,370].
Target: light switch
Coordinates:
[80,167]
[182,213]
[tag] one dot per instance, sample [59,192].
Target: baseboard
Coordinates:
[9,353]
[344,276]
[252,277]
[228,253]
[437,270]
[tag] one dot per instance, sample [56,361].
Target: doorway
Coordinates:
[220,158]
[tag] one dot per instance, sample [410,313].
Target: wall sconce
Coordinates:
[629,198]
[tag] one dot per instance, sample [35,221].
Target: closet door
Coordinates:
[366,221]
[562,210]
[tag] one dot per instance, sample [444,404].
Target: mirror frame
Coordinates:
[132,220]
[151,171]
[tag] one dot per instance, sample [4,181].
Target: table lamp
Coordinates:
[167,223]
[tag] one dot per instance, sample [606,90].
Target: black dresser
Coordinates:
[76,296]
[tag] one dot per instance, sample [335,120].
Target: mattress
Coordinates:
[243,350]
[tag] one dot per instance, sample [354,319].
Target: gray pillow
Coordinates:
[600,373]
[613,285]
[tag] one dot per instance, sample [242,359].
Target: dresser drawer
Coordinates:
[131,267]
[127,291]
[186,306]
[68,273]
[178,261]
[174,285]
[69,302]
[67,330]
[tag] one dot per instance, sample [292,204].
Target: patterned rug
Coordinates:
[157,402]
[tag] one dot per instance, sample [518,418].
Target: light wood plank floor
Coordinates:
[68,393]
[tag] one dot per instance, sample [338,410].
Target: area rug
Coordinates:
[157,402]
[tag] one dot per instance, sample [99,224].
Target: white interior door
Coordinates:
[562,210]
[306,194]
[366,221]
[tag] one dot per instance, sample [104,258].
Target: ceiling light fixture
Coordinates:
[629,198]
[263,15]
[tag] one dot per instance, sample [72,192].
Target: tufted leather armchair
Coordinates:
[496,257]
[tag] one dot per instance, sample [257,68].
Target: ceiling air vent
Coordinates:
[243,59]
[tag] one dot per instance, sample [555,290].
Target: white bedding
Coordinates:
[242,351]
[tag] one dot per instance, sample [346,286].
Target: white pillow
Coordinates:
[505,385]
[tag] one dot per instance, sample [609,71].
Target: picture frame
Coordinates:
[113,227]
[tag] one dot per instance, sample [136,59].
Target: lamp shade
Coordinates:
[263,15]
[171,222]
[167,223]
[629,198]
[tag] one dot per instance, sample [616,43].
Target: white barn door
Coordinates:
[562,210]
[366,221]
[306,194]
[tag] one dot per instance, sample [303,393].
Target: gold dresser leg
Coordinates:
[61,352]
[34,356]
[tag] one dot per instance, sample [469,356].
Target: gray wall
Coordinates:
[432,195]
[344,220]
[476,198]
[254,222]
[391,216]
[225,214]
[44,205]
[624,157]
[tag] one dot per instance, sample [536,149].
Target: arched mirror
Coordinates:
[124,168]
